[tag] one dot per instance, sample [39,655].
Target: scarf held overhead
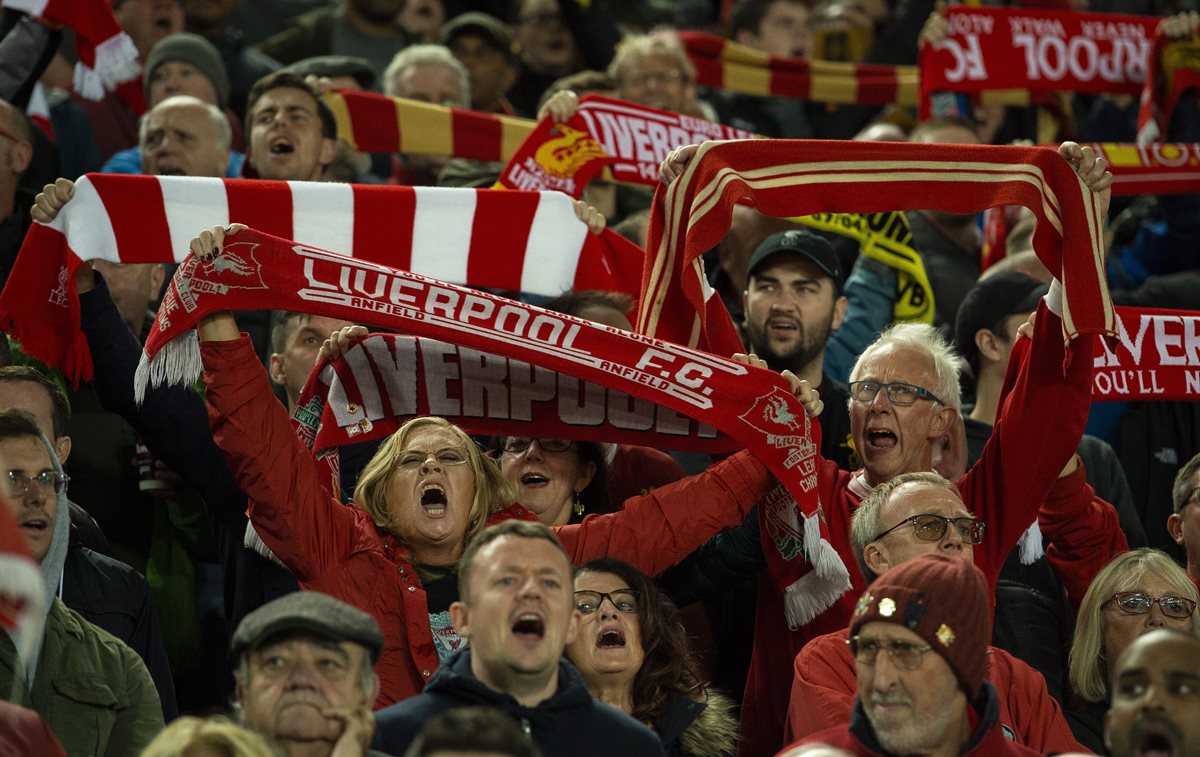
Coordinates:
[523,241]
[632,140]
[1156,356]
[1022,55]
[796,177]
[255,270]
[1174,68]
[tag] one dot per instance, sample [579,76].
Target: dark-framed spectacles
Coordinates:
[19,483]
[410,460]
[904,653]
[898,392]
[930,527]
[588,601]
[1139,603]
[518,444]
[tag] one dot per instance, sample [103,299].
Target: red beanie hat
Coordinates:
[945,601]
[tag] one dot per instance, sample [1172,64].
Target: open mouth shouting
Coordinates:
[433,500]
[610,637]
[529,627]
[879,438]
[281,146]
[1155,739]
[35,525]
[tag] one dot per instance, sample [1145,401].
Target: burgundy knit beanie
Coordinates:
[945,601]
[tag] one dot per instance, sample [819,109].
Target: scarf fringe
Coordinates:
[177,363]
[117,60]
[253,542]
[1030,544]
[88,82]
[23,580]
[817,590]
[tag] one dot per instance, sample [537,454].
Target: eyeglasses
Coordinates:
[625,600]
[518,444]
[1139,603]
[546,18]
[898,392]
[904,653]
[19,483]
[410,460]
[930,527]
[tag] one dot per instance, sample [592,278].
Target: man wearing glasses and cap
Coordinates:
[918,637]
[912,515]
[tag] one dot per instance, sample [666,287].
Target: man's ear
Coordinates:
[1175,527]
[20,157]
[275,368]
[157,277]
[745,37]
[1107,725]
[986,343]
[460,618]
[572,626]
[839,312]
[942,418]
[328,152]
[62,449]
[876,559]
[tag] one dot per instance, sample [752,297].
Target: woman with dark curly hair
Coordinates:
[633,654]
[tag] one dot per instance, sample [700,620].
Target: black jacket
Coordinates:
[173,423]
[568,723]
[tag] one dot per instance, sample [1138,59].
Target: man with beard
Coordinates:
[793,301]
[911,701]
[305,674]
[1156,697]
[369,29]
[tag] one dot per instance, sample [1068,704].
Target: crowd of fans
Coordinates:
[1023,563]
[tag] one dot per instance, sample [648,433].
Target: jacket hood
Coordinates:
[455,678]
[703,729]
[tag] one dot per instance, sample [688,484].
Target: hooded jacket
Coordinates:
[688,728]
[570,722]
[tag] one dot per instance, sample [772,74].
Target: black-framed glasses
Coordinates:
[930,527]
[1139,603]
[412,459]
[625,600]
[19,483]
[904,653]
[518,444]
[898,392]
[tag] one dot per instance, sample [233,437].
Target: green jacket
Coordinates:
[93,691]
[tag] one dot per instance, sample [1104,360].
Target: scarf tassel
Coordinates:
[818,589]
[116,61]
[178,363]
[1030,544]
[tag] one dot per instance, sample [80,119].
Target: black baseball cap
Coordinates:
[993,299]
[801,242]
[491,28]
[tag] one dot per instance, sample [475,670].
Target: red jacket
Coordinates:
[1037,430]
[825,685]
[988,739]
[336,549]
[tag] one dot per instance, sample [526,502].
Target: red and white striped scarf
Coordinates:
[1018,56]
[525,241]
[723,64]
[107,56]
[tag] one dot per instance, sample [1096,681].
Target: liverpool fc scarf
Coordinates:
[107,57]
[523,241]
[1156,168]
[632,140]
[1017,56]
[752,405]
[723,64]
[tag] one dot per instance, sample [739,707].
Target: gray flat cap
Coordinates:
[308,611]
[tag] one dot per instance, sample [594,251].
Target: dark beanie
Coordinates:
[194,49]
[945,601]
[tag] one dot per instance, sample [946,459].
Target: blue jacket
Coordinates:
[568,723]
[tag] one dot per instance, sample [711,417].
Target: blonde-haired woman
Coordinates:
[427,490]
[215,737]
[1137,592]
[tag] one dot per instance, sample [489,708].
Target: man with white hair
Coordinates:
[431,74]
